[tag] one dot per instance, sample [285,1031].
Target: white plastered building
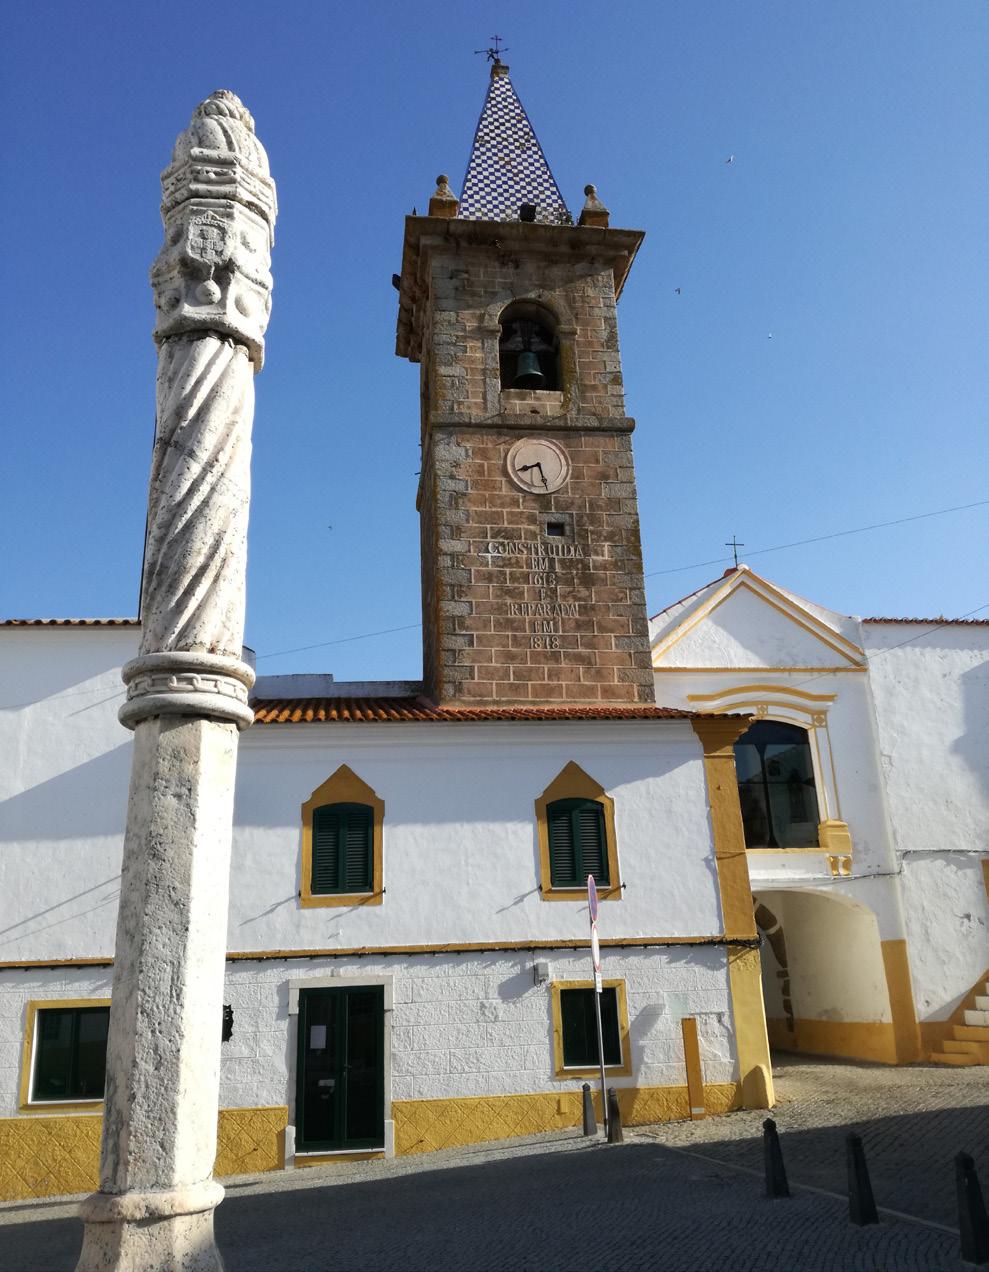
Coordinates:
[873,903]
[455,965]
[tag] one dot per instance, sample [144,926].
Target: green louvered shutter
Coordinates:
[358,865]
[326,826]
[591,844]
[578,846]
[563,864]
[342,848]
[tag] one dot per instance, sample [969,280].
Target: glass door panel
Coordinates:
[340,1076]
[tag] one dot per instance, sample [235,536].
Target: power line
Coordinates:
[821,538]
[343,640]
[837,534]
[927,631]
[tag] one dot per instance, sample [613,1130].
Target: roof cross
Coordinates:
[734,545]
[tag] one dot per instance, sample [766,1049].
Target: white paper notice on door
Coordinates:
[317,1037]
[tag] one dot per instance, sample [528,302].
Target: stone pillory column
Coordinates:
[186,699]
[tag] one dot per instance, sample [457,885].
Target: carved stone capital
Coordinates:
[187,684]
[218,208]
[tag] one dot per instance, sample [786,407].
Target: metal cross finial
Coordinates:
[734,545]
[493,54]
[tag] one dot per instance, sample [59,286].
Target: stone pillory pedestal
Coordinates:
[186,700]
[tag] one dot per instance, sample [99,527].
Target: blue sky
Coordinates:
[851,227]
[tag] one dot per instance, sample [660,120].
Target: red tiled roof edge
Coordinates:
[934,622]
[70,622]
[400,710]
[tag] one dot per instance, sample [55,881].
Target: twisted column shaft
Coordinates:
[187,696]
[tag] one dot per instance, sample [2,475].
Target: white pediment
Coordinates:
[746,622]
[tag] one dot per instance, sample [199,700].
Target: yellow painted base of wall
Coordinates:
[872,1040]
[423,1126]
[57,1156]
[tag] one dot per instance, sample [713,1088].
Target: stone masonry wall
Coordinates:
[513,614]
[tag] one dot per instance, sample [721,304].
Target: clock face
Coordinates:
[538,466]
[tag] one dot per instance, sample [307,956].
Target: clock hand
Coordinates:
[524,468]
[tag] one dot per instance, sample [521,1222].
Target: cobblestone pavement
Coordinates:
[560,1202]
[912,1121]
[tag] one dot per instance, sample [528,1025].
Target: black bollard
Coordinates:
[590,1125]
[776,1185]
[614,1118]
[861,1203]
[973,1225]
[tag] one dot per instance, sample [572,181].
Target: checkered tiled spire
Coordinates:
[507,166]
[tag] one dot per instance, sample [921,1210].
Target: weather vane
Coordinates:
[493,54]
[734,545]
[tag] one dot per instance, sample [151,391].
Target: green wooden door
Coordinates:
[340,1076]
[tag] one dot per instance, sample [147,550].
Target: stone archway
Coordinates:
[824,976]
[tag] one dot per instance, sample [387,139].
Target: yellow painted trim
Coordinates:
[573,783]
[813,625]
[835,838]
[23,964]
[343,787]
[782,605]
[834,771]
[616,1070]
[718,738]
[331,1159]
[25,1103]
[906,1035]
[692,1063]
[471,947]
[423,1126]
[450,947]
[871,1040]
[751,1037]
[985,875]
[777,852]
[741,689]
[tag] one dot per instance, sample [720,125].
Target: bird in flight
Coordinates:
[730,159]
[677,290]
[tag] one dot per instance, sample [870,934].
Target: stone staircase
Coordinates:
[969,1035]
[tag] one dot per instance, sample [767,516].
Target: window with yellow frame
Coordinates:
[63,1064]
[342,859]
[575,823]
[575,1046]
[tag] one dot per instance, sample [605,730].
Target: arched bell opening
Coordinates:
[529,348]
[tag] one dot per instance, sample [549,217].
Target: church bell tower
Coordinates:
[531,561]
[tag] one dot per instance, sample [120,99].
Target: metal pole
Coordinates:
[597,1012]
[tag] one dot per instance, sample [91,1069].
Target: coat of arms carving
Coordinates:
[207,239]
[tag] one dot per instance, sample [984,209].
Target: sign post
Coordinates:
[592,905]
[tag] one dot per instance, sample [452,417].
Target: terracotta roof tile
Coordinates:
[392,710]
[70,622]
[934,622]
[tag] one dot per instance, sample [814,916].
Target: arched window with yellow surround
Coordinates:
[342,823]
[575,821]
[776,786]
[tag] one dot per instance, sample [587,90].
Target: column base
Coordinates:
[151,1232]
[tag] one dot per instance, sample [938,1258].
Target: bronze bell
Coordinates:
[527,373]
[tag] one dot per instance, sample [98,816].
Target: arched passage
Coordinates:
[824,976]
